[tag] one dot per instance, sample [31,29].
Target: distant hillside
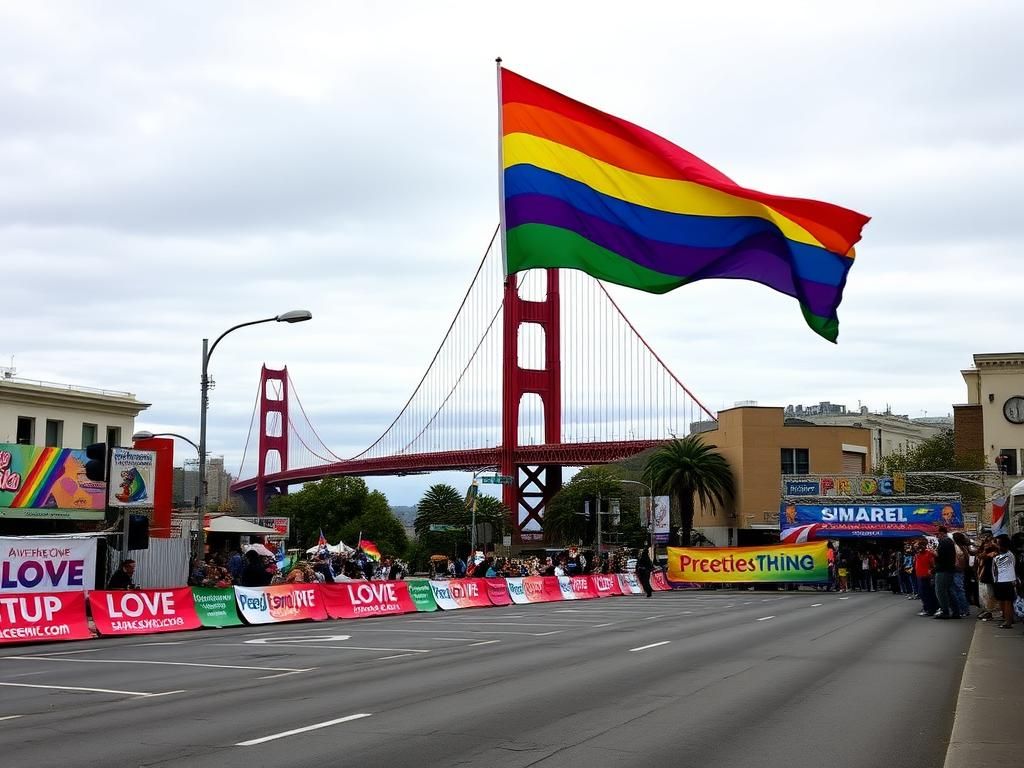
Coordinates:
[406,514]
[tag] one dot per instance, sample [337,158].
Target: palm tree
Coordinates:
[690,470]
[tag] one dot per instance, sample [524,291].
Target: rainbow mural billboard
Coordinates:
[48,483]
[807,563]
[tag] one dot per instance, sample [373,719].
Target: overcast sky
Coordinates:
[171,169]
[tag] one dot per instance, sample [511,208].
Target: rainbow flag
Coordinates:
[370,549]
[586,190]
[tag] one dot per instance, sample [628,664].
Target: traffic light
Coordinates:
[96,466]
[138,532]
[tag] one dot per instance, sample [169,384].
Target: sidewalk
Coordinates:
[986,729]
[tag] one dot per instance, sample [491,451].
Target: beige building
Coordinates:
[761,445]
[890,433]
[65,416]
[992,420]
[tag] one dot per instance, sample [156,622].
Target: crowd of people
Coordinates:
[252,569]
[948,575]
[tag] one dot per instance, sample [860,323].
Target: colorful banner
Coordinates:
[132,478]
[628,584]
[215,607]
[576,587]
[142,611]
[281,602]
[866,520]
[422,595]
[497,592]
[773,563]
[605,585]
[36,618]
[47,483]
[47,564]
[845,485]
[356,599]
[460,593]
[999,517]
[659,583]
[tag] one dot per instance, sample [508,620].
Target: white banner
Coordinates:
[132,475]
[565,584]
[47,565]
[280,602]
[629,585]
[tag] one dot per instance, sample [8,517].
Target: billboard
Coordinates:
[869,520]
[132,478]
[733,565]
[47,483]
[659,509]
[844,485]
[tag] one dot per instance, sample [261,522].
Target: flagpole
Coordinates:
[501,174]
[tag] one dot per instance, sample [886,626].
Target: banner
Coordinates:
[773,563]
[422,595]
[999,518]
[215,607]
[659,511]
[871,521]
[357,599]
[47,483]
[43,616]
[628,584]
[132,478]
[659,583]
[605,585]
[47,564]
[576,587]
[142,611]
[460,593]
[281,602]
[497,592]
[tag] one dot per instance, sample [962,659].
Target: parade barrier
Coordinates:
[52,564]
[35,617]
[789,563]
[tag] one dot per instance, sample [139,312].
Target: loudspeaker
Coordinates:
[138,532]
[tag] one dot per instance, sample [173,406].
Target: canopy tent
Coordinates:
[259,549]
[335,549]
[229,524]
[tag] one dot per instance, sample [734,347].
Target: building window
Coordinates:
[26,430]
[89,432]
[114,436]
[1010,460]
[796,461]
[54,433]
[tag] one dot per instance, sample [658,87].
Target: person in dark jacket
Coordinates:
[945,570]
[644,566]
[254,574]
[122,578]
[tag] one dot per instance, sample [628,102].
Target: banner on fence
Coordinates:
[576,587]
[356,599]
[773,563]
[534,589]
[422,595]
[628,584]
[281,602]
[605,585]
[659,583]
[215,607]
[38,617]
[47,565]
[460,593]
[142,611]
[497,592]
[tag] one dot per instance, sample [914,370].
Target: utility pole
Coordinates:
[598,523]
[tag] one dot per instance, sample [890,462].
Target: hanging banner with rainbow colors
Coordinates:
[47,483]
[806,563]
[132,475]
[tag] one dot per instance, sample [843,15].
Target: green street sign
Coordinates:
[497,479]
[440,527]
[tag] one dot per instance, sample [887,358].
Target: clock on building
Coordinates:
[1013,410]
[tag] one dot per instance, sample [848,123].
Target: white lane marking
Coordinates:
[396,656]
[608,624]
[298,639]
[652,645]
[747,602]
[285,674]
[346,648]
[545,634]
[305,729]
[63,653]
[765,618]
[10,717]
[816,605]
[143,694]
[162,663]
[844,598]
[766,600]
[484,642]
[652,618]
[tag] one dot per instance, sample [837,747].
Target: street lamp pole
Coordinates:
[294,316]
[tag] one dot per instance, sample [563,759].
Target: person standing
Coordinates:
[1004,574]
[983,566]
[945,571]
[924,562]
[644,566]
[122,577]
[960,575]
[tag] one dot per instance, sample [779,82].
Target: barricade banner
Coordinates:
[47,565]
[357,599]
[460,593]
[281,602]
[576,587]
[552,589]
[565,588]
[422,595]
[215,607]
[628,584]
[43,616]
[143,611]
[605,585]
[659,583]
[497,592]
[792,563]
[517,590]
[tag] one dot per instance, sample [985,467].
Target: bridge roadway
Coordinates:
[716,678]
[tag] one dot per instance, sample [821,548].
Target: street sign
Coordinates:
[497,479]
[441,527]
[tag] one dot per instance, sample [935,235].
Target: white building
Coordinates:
[64,415]
[890,433]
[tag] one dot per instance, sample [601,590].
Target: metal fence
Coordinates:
[164,564]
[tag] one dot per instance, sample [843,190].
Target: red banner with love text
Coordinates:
[605,585]
[142,611]
[38,617]
[357,599]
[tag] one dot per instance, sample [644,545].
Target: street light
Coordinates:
[143,434]
[650,509]
[294,316]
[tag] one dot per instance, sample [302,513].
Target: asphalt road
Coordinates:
[686,678]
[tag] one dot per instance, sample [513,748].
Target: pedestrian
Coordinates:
[960,575]
[122,577]
[924,562]
[908,581]
[945,571]
[254,574]
[644,566]
[1004,574]
[983,566]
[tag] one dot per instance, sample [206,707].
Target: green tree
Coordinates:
[564,520]
[443,504]
[691,472]
[378,524]
[326,505]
